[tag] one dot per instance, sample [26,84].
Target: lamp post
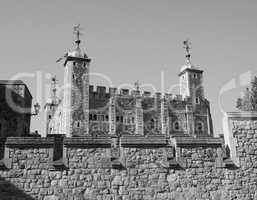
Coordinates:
[36,109]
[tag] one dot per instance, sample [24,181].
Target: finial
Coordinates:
[77,31]
[137,85]
[187,44]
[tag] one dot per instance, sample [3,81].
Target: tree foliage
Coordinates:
[249,100]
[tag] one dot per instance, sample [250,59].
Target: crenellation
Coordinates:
[124,92]
[158,95]
[101,91]
[112,91]
[146,94]
[135,93]
[91,166]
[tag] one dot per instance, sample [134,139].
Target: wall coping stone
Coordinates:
[88,141]
[242,115]
[199,141]
[29,142]
[143,141]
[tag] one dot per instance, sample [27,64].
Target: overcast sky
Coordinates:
[133,40]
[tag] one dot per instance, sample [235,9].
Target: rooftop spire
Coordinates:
[77,32]
[187,44]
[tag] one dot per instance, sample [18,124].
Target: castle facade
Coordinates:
[85,110]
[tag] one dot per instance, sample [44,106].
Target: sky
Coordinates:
[132,40]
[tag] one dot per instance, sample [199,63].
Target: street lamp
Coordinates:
[36,109]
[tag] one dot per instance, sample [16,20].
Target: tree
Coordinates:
[249,100]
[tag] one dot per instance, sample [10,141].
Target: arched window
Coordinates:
[199,126]
[117,118]
[90,117]
[176,126]
[26,130]
[133,120]
[106,118]
[197,100]
[152,124]
[78,124]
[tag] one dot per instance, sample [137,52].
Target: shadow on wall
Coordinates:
[10,192]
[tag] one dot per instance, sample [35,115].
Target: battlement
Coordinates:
[102,91]
[55,151]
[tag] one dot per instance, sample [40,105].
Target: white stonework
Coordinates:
[139,120]
[112,116]
[84,111]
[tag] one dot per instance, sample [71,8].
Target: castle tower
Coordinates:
[191,79]
[112,112]
[198,108]
[164,116]
[50,106]
[139,121]
[76,91]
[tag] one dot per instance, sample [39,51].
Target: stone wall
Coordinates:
[134,167]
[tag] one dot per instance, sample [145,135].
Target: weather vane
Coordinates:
[77,32]
[187,47]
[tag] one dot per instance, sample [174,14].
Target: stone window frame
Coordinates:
[175,127]
[199,122]
[197,100]
[26,129]
[132,120]
[77,124]
[117,118]
[94,117]
[153,123]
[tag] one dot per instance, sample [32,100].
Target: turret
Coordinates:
[76,91]
[191,79]
[50,107]
[139,120]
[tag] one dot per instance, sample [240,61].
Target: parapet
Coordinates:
[72,162]
[101,92]
[58,145]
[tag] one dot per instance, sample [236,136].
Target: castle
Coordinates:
[115,155]
[83,110]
